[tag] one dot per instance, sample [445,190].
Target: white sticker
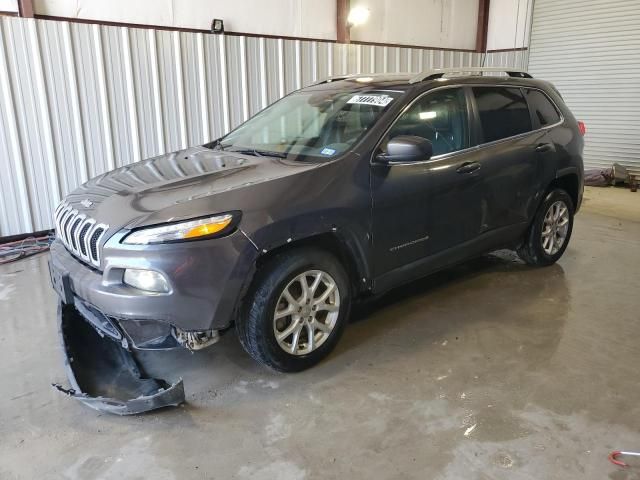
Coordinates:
[327,151]
[377,100]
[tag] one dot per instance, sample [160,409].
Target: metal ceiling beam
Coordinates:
[25,8]
[342,29]
[483,25]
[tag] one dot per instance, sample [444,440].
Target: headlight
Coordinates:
[148,280]
[189,230]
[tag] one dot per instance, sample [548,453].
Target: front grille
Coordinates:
[79,233]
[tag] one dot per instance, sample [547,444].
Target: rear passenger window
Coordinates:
[544,112]
[503,112]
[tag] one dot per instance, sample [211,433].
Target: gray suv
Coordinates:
[344,189]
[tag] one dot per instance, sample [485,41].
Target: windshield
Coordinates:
[310,123]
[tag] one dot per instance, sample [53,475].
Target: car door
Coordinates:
[511,154]
[423,207]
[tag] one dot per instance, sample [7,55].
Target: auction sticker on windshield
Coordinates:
[379,100]
[327,151]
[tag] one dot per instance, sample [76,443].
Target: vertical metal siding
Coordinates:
[591,51]
[77,100]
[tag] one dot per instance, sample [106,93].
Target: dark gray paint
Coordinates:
[397,221]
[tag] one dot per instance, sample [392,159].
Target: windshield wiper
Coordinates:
[216,144]
[259,153]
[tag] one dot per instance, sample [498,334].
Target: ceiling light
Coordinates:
[217,26]
[357,16]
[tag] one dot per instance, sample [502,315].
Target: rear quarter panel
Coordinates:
[568,141]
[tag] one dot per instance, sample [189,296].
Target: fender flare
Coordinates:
[349,245]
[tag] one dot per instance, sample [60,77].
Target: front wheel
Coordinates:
[296,310]
[549,234]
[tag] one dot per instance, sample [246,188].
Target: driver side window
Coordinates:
[440,117]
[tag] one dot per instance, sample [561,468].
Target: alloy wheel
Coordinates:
[306,312]
[555,227]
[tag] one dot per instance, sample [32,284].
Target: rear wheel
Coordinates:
[296,310]
[549,234]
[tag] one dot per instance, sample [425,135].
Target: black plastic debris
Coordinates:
[105,376]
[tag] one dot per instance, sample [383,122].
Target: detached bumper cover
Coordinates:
[105,376]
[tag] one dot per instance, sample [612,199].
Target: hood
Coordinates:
[174,186]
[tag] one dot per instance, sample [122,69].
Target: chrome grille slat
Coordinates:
[67,225]
[82,237]
[60,214]
[64,223]
[63,214]
[94,242]
[85,240]
[77,221]
[57,213]
[80,234]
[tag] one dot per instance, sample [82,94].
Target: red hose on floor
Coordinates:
[613,457]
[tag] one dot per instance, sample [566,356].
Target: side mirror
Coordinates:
[406,148]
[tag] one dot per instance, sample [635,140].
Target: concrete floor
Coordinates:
[489,370]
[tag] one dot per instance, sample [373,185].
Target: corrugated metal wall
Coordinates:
[590,49]
[78,99]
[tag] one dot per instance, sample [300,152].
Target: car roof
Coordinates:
[426,80]
[396,81]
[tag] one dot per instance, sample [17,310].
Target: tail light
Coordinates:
[582,127]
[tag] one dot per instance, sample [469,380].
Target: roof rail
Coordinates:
[441,72]
[355,76]
[331,79]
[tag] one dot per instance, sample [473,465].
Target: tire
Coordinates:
[535,250]
[257,326]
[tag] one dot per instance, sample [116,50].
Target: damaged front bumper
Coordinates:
[103,373]
[102,318]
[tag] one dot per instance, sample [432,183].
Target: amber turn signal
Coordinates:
[208,228]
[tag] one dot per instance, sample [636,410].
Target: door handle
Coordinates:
[543,147]
[468,167]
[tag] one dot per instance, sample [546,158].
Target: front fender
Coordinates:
[350,238]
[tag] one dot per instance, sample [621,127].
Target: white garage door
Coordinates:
[590,49]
